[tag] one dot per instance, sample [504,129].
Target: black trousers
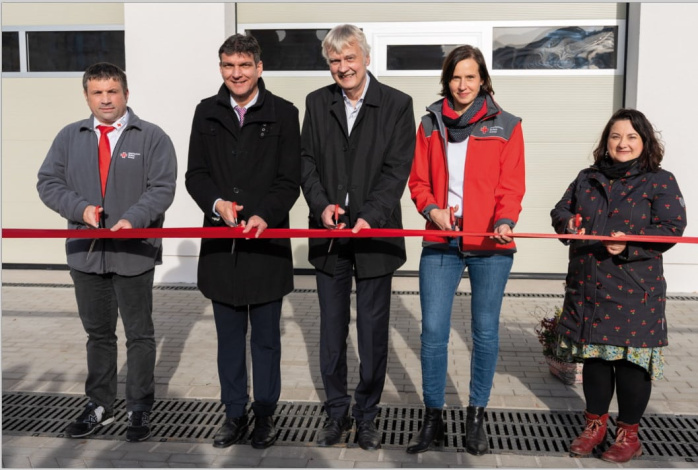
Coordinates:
[265,347]
[101,298]
[372,325]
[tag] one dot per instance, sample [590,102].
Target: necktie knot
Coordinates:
[105,129]
[241,113]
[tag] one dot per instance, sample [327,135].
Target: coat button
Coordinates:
[340,187]
[236,190]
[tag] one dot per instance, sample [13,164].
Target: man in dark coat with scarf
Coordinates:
[358,142]
[244,168]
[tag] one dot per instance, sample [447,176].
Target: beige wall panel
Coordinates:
[23,150]
[37,14]
[385,11]
[62,99]
[36,251]
[560,109]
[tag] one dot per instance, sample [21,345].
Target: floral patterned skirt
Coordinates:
[650,359]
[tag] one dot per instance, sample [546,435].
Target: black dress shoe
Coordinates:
[431,434]
[369,437]
[264,433]
[476,441]
[332,431]
[232,431]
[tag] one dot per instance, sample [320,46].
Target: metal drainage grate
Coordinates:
[664,437]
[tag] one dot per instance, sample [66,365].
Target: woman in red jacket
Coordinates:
[467,176]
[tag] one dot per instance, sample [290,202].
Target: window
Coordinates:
[417,57]
[555,48]
[291,49]
[10,51]
[73,51]
[60,50]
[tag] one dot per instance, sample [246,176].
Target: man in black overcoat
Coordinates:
[244,168]
[357,142]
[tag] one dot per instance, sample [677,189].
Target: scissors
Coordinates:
[99,225]
[577,222]
[234,224]
[336,222]
[452,217]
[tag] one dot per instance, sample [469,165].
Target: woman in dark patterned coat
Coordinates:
[613,314]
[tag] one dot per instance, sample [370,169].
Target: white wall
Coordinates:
[663,87]
[172,64]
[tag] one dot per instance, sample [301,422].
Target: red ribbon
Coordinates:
[236,232]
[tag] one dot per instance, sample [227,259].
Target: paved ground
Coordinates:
[43,351]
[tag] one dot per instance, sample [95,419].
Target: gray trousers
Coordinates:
[101,298]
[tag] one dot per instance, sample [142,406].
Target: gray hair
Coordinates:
[341,36]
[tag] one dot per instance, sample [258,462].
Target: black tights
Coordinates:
[632,382]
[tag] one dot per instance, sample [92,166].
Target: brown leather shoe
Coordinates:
[594,434]
[627,445]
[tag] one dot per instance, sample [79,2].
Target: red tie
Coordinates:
[104,155]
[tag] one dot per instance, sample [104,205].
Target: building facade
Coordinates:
[564,68]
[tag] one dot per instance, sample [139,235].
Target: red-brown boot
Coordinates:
[627,445]
[593,435]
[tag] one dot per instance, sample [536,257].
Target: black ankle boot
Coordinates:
[476,441]
[431,433]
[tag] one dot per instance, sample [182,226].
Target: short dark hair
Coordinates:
[462,53]
[104,71]
[652,146]
[241,44]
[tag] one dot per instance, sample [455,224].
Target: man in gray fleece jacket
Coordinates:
[114,171]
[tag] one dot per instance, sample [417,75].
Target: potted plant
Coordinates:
[568,372]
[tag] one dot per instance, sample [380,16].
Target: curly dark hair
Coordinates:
[462,53]
[653,148]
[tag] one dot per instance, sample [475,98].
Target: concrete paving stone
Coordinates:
[71,463]
[371,464]
[146,456]
[558,462]
[518,461]
[394,455]
[195,459]
[42,462]
[98,463]
[439,459]
[291,452]
[487,460]
[15,461]
[320,463]
[593,462]
[17,450]
[223,461]
[126,464]
[280,462]
[174,447]
[357,453]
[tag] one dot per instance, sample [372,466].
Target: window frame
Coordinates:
[22,30]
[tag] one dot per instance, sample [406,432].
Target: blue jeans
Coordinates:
[440,272]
